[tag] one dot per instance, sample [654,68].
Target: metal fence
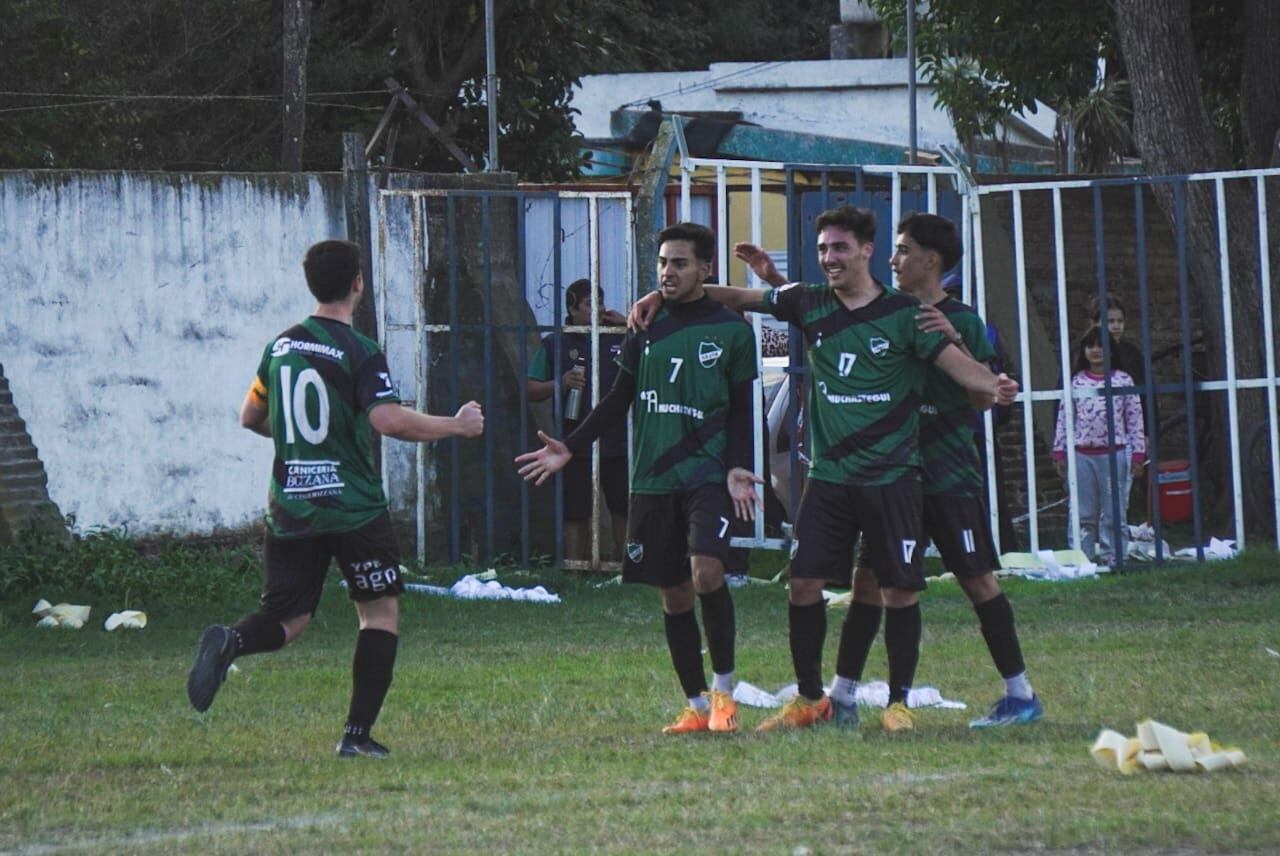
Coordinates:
[468,282]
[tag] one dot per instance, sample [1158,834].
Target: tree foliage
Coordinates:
[219,66]
[990,59]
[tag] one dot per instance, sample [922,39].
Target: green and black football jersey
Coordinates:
[318,381]
[867,369]
[683,366]
[948,421]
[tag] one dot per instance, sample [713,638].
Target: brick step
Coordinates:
[28,477]
[18,456]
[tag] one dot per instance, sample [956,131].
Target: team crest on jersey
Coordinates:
[635,551]
[709,354]
[878,345]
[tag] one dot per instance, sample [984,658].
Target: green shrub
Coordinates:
[110,562]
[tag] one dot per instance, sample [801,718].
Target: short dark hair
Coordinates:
[1091,337]
[934,233]
[704,240]
[331,268]
[577,290]
[859,221]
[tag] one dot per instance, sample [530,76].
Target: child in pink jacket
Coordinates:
[1095,449]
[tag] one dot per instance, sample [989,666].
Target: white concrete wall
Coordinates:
[133,310]
[862,99]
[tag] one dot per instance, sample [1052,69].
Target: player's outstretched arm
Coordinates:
[737,299]
[539,465]
[985,389]
[394,420]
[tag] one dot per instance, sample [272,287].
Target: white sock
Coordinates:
[722,683]
[1019,687]
[700,703]
[843,690]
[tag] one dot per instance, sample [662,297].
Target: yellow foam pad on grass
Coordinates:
[1160,747]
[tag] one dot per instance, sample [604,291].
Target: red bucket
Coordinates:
[1173,488]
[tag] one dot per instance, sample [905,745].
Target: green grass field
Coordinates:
[536,729]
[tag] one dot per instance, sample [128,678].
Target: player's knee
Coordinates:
[897,598]
[865,587]
[708,574]
[677,600]
[806,592]
[980,589]
[293,627]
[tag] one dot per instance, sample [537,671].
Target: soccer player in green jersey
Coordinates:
[320,388]
[955,509]
[868,358]
[689,379]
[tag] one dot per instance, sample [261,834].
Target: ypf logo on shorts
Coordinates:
[709,354]
[635,551]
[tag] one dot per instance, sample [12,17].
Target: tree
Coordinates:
[991,59]
[1175,134]
[297,36]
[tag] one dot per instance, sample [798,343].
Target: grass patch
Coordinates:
[535,728]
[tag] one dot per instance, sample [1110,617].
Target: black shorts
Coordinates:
[577,486]
[960,528]
[296,567]
[664,530]
[831,518]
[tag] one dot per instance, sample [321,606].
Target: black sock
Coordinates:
[371,670]
[685,644]
[256,633]
[808,630]
[902,638]
[856,637]
[998,629]
[719,623]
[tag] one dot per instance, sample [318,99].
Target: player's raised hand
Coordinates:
[643,310]
[1006,389]
[742,490]
[540,465]
[469,420]
[759,261]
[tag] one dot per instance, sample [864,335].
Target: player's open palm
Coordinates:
[470,420]
[742,490]
[539,465]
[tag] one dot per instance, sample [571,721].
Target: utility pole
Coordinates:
[911,77]
[491,85]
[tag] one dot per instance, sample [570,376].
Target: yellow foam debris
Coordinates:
[1160,747]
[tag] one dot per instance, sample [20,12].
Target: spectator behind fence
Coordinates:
[573,372]
[1095,449]
[1127,357]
